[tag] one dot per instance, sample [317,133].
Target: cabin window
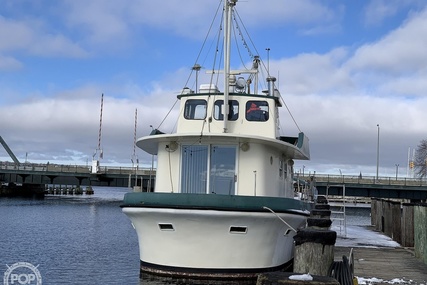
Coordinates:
[195,109]
[210,167]
[281,168]
[257,111]
[233,110]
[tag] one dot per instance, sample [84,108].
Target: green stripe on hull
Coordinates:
[214,202]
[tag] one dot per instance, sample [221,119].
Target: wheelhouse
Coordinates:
[204,157]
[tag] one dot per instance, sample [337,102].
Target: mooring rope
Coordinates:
[267,208]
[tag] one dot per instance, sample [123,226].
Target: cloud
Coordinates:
[304,12]
[65,126]
[99,22]
[343,130]
[9,63]
[29,36]
[407,85]
[17,33]
[105,26]
[337,97]
[115,22]
[399,52]
[378,10]
[314,73]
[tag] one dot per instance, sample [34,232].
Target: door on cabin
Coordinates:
[208,169]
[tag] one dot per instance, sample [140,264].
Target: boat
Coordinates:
[223,204]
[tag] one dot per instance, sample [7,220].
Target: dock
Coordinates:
[385,265]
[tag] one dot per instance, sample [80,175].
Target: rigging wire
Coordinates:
[217,49]
[170,110]
[263,64]
[290,113]
[213,73]
[244,33]
[238,30]
[245,44]
[197,58]
[237,46]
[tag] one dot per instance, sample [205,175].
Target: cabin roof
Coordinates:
[297,150]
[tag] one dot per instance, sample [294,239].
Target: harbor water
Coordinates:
[82,239]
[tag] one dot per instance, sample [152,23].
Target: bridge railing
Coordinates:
[358,179]
[329,178]
[62,168]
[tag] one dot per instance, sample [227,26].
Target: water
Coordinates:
[355,216]
[72,239]
[82,239]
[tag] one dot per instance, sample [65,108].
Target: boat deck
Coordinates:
[392,265]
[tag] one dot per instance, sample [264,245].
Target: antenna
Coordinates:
[95,162]
[197,68]
[268,61]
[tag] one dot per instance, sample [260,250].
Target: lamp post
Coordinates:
[378,149]
[397,170]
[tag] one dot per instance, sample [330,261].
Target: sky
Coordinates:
[344,68]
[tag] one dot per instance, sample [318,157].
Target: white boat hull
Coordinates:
[198,242]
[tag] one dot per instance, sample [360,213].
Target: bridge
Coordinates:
[57,174]
[31,178]
[414,189]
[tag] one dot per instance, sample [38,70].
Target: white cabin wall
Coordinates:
[191,126]
[163,170]
[243,127]
[268,181]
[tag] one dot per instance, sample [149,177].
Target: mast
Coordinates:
[100,127]
[228,10]
[134,157]
[95,162]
